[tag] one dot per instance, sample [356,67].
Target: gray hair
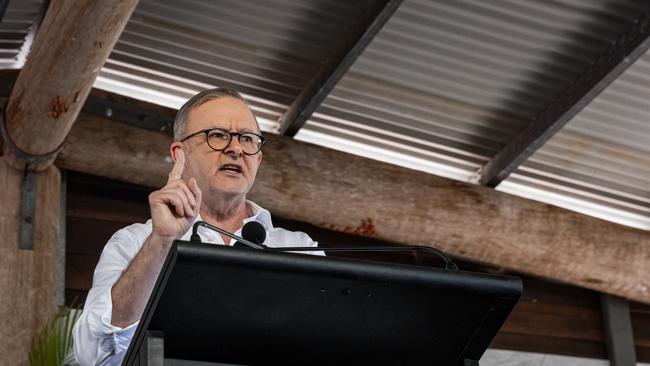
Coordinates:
[199,99]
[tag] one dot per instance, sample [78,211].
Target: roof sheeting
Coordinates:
[267,50]
[17,30]
[600,162]
[446,84]
[443,86]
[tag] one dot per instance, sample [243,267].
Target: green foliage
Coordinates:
[53,345]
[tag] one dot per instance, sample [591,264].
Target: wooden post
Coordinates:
[75,39]
[28,278]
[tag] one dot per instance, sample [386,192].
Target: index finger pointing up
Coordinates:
[179,165]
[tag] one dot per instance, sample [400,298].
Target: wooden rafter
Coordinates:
[3,8]
[609,66]
[324,80]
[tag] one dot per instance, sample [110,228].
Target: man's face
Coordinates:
[225,173]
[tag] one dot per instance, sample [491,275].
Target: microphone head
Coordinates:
[254,231]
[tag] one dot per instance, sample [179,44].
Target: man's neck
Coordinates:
[228,215]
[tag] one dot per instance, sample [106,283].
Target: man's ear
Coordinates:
[173,149]
[259,159]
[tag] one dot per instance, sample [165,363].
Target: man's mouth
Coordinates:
[231,168]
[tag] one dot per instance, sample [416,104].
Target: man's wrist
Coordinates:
[161,240]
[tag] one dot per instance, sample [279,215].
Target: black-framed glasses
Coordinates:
[219,139]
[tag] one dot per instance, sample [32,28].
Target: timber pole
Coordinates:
[69,50]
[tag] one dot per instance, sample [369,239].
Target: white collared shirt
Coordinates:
[96,341]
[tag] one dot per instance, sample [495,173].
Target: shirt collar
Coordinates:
[260,214]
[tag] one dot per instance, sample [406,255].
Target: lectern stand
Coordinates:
[223,305]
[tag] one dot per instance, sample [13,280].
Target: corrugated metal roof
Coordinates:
[17,31]
[267,50]
[485,52]
[600,162]
[408,99]
[505,58]
[443,86]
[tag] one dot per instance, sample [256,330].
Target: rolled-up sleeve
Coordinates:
[96,341]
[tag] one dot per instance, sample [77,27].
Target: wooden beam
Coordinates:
[332,70]
[347,193]
[28,278]
[587,86]
[75,39]
[124,147]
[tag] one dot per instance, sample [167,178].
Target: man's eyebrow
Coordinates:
[216,127]
[243,130]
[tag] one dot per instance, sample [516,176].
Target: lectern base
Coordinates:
[152,353]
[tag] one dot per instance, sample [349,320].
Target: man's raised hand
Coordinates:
[174,206]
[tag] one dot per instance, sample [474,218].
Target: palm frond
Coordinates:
[53,345]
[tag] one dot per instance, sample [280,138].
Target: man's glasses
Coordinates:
[219,139]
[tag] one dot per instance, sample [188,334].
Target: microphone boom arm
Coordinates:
[196,238]
[449,264]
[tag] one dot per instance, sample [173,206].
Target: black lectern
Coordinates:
[236,306]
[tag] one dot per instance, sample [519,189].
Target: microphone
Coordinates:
[197,239]
[252,231]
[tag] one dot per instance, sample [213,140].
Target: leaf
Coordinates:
[53,345]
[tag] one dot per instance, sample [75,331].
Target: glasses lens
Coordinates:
[218,139]
[250,143]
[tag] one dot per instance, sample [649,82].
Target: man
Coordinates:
[216,152]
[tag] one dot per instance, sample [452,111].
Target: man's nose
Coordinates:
[234,148]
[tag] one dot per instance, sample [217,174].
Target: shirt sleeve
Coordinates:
[96,341]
